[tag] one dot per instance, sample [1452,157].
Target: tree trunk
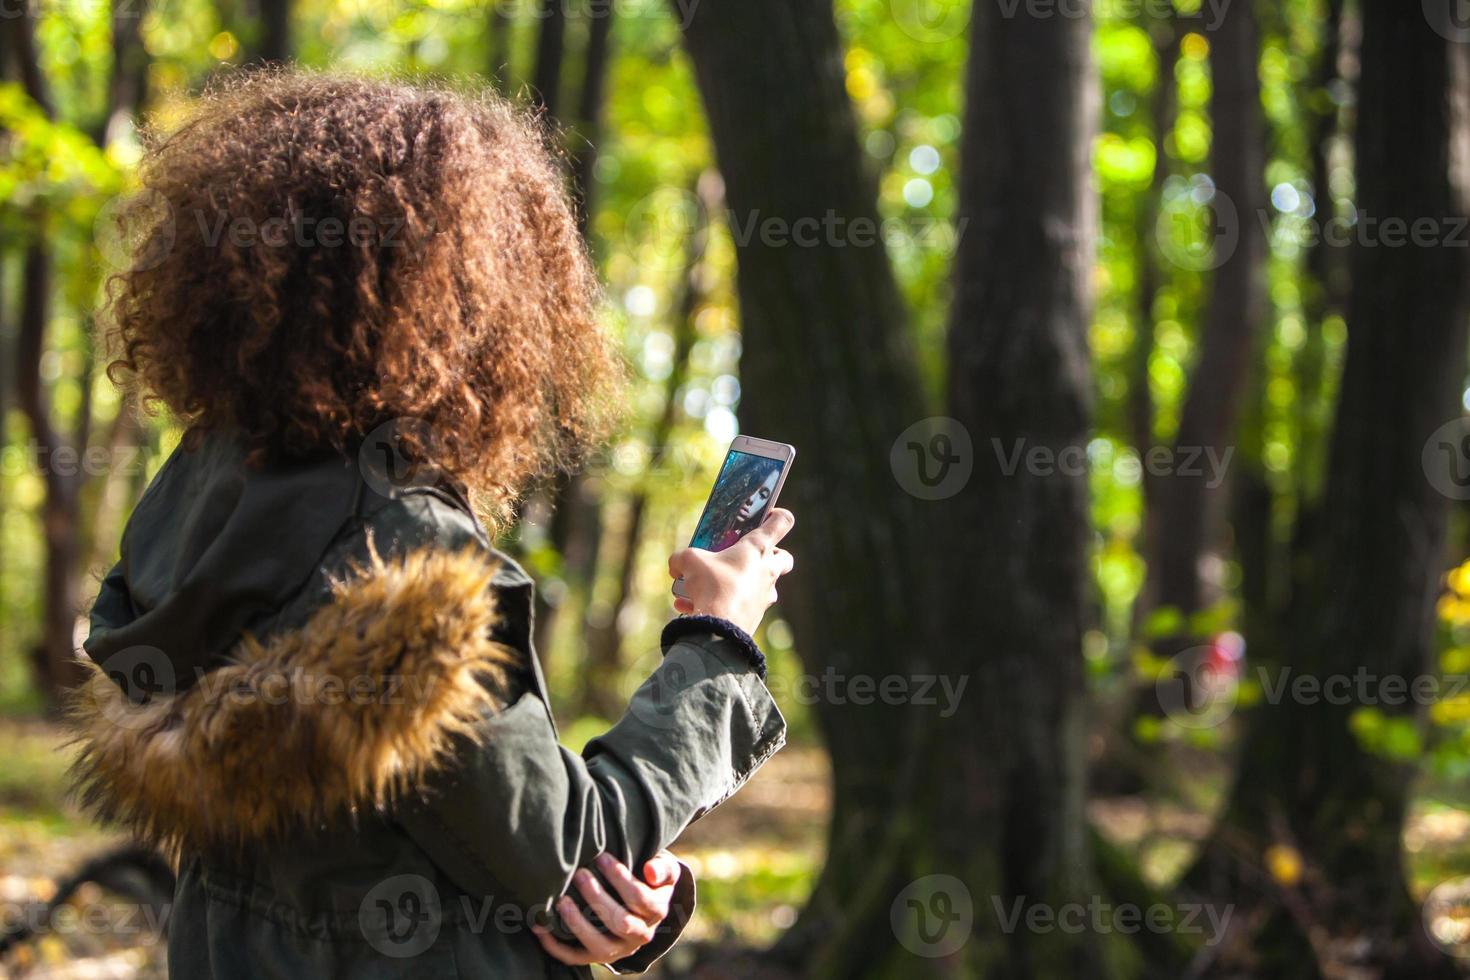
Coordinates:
[605,642]
[273,40]
[1189,507]
[550,45]
[497,41]
[1020,382]
[54,660]
[595,65]
[1305,781]
[985,589]
[827,366]
[1186,504]
[1127,763]
[1324,290]
[1163,109]
[59,459]
[576,523]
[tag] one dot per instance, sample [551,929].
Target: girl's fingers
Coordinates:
[662,869]
[650,904]
[560,951]
[602,947]
[612,914]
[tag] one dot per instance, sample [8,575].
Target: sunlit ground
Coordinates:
[755,857]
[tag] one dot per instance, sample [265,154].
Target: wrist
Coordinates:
[707,624]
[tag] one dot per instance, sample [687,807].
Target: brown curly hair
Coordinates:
[338,252]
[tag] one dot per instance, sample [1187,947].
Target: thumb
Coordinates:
[777,525]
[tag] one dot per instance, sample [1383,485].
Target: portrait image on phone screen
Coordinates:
[739,501]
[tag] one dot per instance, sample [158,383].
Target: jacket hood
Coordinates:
[214,548]
[213,717]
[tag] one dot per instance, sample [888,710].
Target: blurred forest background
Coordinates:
[1125,274]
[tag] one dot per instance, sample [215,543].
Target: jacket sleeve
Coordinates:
[520,813]
[517,813]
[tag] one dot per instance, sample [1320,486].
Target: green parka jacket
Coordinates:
[323,699]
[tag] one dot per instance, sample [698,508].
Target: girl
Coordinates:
[312,675]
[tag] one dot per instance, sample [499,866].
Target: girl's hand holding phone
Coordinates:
[739,583]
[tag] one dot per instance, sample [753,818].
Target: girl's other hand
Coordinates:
[631,913]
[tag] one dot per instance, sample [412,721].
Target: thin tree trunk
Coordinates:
[1305,781]
[273,44]
[498,35]
[550,46]
[605,643]
[1127,763]
[7,340]
[1324,290]
[576,523]
[113,495]
[128,80]
[1163,107]
[596,63]
[1188,505]
[1185,510]
[54,658]
[61,461]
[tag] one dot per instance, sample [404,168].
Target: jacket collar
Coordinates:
[342,714]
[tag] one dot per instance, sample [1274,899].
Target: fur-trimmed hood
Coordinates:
[342,713]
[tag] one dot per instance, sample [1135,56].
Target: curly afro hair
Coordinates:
[340,252]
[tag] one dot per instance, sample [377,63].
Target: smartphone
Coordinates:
[750,480]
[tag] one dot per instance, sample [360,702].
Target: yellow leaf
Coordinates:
[1284,863]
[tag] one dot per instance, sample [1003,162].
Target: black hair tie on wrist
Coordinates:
[685,625]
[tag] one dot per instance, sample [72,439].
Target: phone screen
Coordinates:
[742,495]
